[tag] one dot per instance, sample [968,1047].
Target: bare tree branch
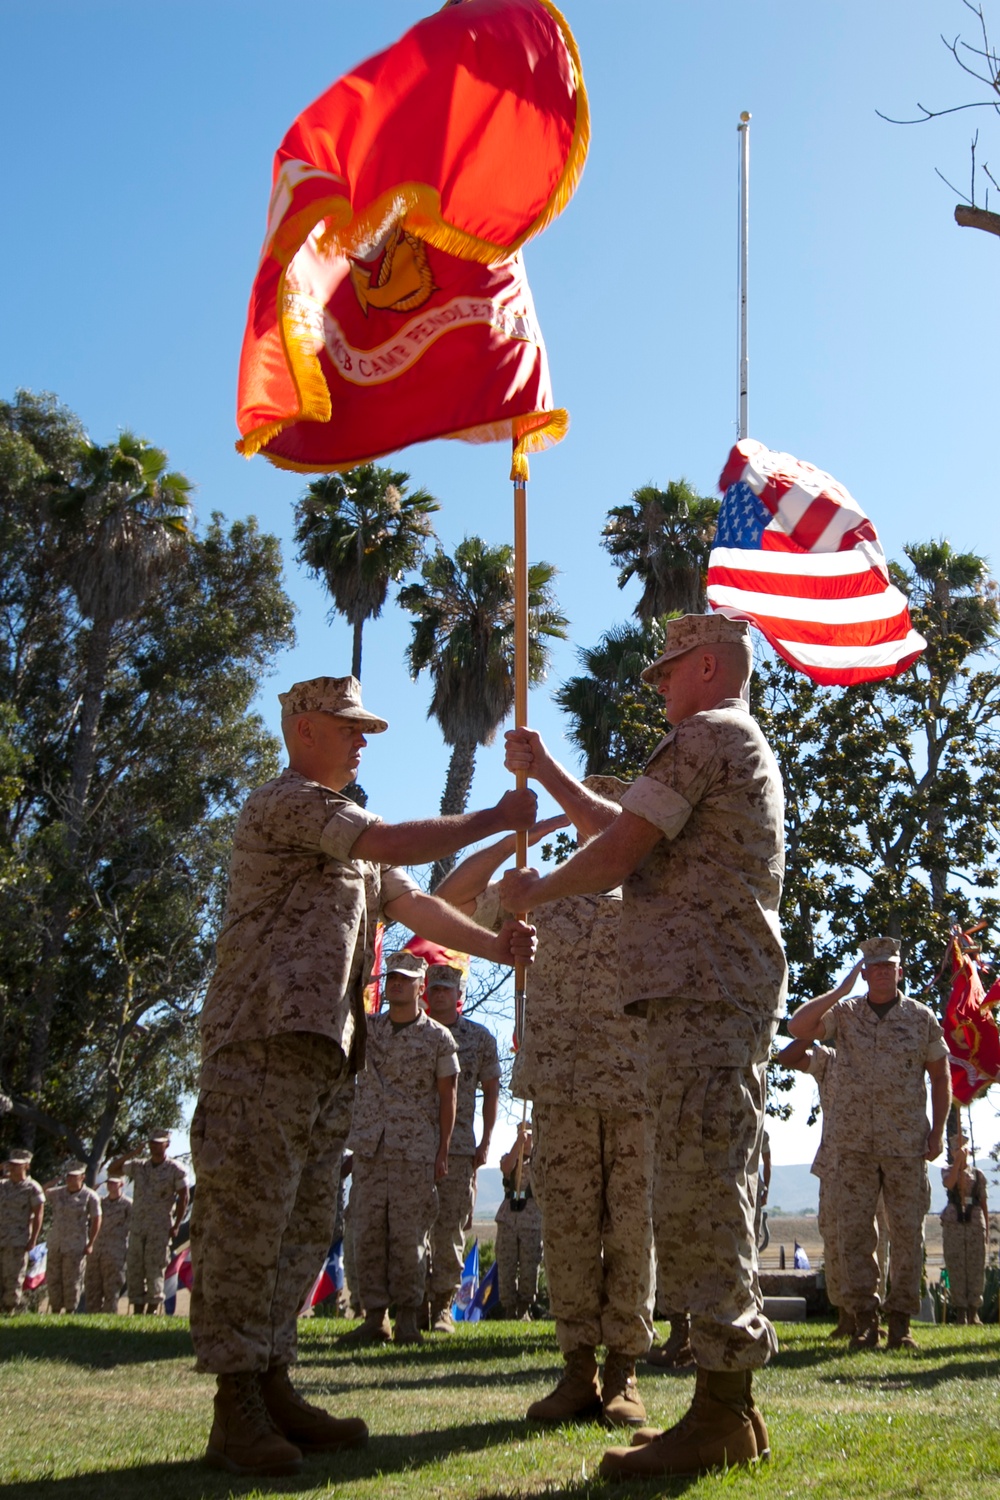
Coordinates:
[977,218]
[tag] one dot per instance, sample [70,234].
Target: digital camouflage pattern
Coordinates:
[708,1130]
[593,1179]
[64,1279]
[700,914]
[518,1251]
[155,1189]
[106,1262]
[702,956]
[18,1201]
[395,1135]
[823,1067]
[396,1098]
[965,1248]
[297,941]
[904,1185]
[578,1047]
[392,1220]
[456,1195]
[881,1065]
[478,1064]
[72,1217]
[267,1142]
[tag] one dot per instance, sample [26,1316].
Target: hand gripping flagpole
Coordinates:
[520,477]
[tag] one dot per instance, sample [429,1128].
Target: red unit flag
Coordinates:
[390,305]
[970,1028]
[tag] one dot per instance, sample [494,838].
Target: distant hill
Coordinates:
[794,1190]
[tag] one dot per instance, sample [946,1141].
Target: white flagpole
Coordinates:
[743,128]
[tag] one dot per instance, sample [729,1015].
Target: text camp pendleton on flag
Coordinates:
[796,555]
[390,305]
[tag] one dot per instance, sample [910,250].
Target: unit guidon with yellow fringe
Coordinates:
[391,304]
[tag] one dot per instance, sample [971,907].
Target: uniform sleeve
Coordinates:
[830,1023]
[343,830]
[94,1209]
[676,778]
[936,1045]
[129,1167]
[36,1196]
[819,1061]
[489,913]
[180,1177]
[395,882]
[490,1064]
[447,1059]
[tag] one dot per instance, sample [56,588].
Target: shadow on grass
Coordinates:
[386,1455]
[96,1344]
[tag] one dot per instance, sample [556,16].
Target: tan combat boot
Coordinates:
[620,1393]
[961,1314]
[714,1433]
[760,1434]
[866,1332]
[441,1318]
[243,1439]
[374,1330]
[408,1326]
[899,1332]
[676,1353]
[309,1427]
[577,1397]
[846,1327]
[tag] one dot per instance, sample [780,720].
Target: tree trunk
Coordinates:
[359,625]
[461,769]
[54,938]
[977,218]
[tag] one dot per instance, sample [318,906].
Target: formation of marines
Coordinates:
[93,1243]
[659,983]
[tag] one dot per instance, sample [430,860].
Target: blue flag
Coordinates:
[464,1309]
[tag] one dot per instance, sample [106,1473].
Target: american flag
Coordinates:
[796,555]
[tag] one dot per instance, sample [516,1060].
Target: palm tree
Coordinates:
[464,636]
[359,532]
[595,702]
[663,538]
[122,521]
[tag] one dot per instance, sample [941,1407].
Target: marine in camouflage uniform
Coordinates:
[965,1230]
[76,1221]
[518,1247]
[885,1043]
[404,1114]
[160,1197]
[282,1032]
[698,846]
[106,1263]
[479,1068]
[22,1205]
[582,1063]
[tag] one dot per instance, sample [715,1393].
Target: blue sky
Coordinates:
[139,140]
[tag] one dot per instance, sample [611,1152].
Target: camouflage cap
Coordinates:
[75,1168]
[159,1135]
[115,1178]
[330,695]
[611,788]
[446,976]
[20,1155]
[405,962]
[689,631]
[881,950]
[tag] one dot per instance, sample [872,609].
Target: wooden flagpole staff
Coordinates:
[520,718]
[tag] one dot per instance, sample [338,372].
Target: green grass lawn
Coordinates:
[111,1408]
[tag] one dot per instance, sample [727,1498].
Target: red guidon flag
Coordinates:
[390,304]
[970,1028]
[796,555]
